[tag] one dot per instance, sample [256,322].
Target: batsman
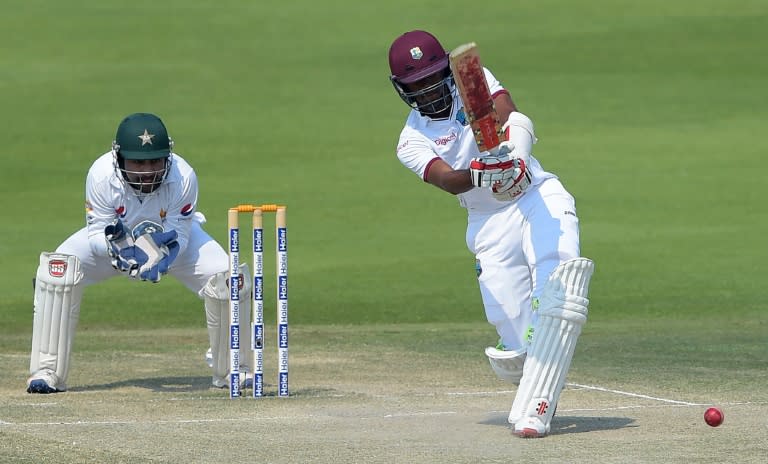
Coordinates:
[141,222]
[522,224]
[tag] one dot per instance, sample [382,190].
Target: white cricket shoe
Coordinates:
[531,427]
[223,382]
[44,381]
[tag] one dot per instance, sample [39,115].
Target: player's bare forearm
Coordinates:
[451,180]
[504,105]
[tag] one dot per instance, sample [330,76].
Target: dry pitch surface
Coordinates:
[350,402]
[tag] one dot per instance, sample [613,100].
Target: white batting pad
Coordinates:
[216,296]
[508,365]
[562,313]
[58,294]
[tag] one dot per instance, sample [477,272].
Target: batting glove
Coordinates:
[514,186]
[488,171]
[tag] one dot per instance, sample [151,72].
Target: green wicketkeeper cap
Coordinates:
[142,136]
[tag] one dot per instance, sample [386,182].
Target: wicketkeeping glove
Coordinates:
[117,241]
[160,249]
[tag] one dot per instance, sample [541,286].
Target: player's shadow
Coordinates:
[156,384]
[191,385]
[573,424]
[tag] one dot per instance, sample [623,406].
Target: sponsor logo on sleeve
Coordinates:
[187,209]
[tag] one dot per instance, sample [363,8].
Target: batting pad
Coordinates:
[216,296]
[562,313]
[58,294]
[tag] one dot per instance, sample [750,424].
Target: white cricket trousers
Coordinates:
[202,258]
[516,249]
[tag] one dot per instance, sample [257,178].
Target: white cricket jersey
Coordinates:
[108,197]
[422,140]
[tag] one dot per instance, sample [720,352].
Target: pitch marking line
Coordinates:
[233,420]
[634,395]
[588,387]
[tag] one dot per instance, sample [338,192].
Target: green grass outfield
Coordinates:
[651,113]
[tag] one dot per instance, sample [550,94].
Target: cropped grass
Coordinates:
[649,113]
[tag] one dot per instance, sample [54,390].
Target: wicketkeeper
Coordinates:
[522,226]
[142,223]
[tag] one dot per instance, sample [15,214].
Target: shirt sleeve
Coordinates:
[99,213]
[182,211]
[415,153]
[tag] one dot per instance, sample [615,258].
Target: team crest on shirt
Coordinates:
[145,227]
[462,117]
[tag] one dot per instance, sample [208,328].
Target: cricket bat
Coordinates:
[478,103]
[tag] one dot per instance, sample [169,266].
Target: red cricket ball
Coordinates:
[714,417]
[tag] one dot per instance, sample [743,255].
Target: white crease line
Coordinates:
[615,408]
[640,406]
[482,393]
[37,405]
[417,414]
[635,395]
[132,422]
[209,421]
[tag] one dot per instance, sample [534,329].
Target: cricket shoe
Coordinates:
[223,382]
[530,427]
[44,381]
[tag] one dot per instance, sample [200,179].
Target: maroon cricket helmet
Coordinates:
[416,55]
